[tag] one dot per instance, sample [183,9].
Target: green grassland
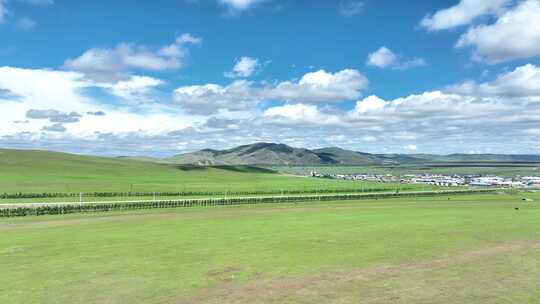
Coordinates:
[48,172]
[464,249]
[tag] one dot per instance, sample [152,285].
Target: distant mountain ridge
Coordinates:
[263,153]
[254,154]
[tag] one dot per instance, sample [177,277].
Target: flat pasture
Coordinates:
[461,249]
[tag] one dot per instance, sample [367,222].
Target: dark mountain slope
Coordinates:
[281,154]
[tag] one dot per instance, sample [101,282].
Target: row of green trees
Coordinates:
[103,207]
[192,193]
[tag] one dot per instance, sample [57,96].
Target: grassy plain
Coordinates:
[49,172]
[37,171]
[466,249]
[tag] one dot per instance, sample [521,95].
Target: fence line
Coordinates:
[194,193]
[67,208]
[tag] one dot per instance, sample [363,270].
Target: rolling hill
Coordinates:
[258,153]
[280,154]
[44,171]
[276,154]
[233,170]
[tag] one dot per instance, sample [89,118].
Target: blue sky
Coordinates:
[292,33]
[179,75]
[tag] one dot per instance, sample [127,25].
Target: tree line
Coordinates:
[21,195]
[134,205]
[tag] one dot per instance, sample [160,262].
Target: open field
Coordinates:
[49,172]
[484,168]
[466,249]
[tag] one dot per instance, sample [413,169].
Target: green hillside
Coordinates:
[258,153]
[342,156]
[277,154]
[272,154]
[41,171]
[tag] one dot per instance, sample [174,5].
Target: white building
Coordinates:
[489,181]
[439,180]
[531,180]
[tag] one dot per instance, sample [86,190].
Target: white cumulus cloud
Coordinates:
[211,98]
[515,35]
[136,89]
[381,58]
[385,58]
[114,63]
[50,96]
[462,13]
[244,67]
[319,87]
[522,81]
[314,87]
[370,103]
[300,114]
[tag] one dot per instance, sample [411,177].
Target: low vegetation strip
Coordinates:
[201,193]
[67,208]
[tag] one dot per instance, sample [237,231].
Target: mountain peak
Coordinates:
[267,153]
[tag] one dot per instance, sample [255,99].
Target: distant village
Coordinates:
[441,179]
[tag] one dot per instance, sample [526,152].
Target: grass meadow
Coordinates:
[39,172]
[464,249]
[48,172]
